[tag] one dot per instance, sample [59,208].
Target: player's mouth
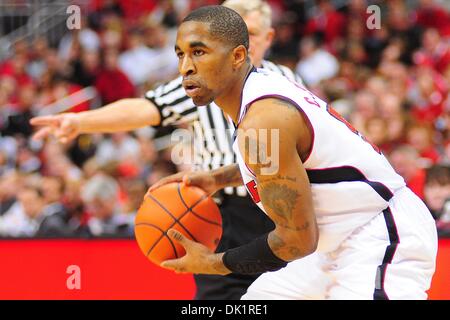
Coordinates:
[191,88]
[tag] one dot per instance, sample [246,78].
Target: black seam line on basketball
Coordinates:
[192,211]
[189,209]
[164,234]
[181,216]
[174,218]
[204,219]
[182,200]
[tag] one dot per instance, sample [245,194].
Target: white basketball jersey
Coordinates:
[351,180]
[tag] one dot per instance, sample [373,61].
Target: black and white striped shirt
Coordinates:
[211,130]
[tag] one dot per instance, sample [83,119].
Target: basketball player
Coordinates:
[346,226]
[169,105]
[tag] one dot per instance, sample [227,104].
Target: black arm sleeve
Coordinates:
[254,257]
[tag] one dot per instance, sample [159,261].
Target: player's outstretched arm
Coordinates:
[122,115]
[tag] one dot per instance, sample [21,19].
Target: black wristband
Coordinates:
[254,257]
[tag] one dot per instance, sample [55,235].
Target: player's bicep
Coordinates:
[270,152]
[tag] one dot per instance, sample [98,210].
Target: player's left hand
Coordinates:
[198,259]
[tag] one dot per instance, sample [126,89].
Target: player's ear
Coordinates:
[239,56]
[270,35]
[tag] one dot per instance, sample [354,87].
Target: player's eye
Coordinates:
[198,52]
[180,55]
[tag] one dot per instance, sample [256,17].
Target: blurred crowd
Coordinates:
[391,83]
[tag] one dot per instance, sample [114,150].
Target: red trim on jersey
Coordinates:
[295,104]
[251,171]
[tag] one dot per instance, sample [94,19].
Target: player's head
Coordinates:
[212,48]
[257,15]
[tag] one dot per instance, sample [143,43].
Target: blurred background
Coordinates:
[392,83]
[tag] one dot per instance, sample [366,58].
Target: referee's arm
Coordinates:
[122,115]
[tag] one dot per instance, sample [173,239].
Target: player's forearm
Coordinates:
[122,115]
[228,176]
[287,244]
[290,208]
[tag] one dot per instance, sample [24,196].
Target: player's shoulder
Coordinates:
[270,112]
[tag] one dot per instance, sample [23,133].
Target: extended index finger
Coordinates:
[44,121]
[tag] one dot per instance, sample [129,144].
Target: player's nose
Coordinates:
[186,66]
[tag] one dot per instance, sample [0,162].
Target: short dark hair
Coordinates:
[438,174]
[224,23]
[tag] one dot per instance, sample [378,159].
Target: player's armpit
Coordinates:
[284,190]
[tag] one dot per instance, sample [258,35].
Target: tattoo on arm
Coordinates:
[229,176]
[284,103]
[281,249]
[275,242]
[281,199]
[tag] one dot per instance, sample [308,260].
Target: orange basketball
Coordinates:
[187,209]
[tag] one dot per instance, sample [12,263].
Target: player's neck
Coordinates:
[230,101]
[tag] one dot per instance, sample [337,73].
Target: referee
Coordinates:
[167,105]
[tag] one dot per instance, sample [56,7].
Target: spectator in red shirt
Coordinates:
[327,21]
[420,137]
[429,14]
[427,94]
[435,51]
[405,160]
[111,83]
[15,70]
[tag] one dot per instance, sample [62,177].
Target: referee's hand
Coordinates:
[63,127]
